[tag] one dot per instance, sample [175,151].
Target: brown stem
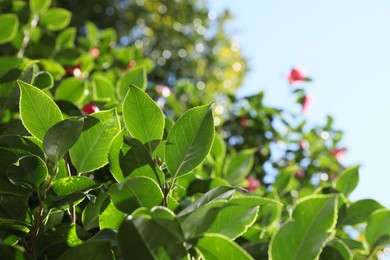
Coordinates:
[26,36]
[72,209]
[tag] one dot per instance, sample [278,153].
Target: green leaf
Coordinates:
[336,249]
[37,110]
[285,180]
[14,214]
[53,67]
[12,252]
[135,161]
[13,147]
[61,137]
[239,166]
[110,217]
[216,194]
[134,193]
[156,235]
[113,156]
[189,141]
[378,229]
[216,246]
[39,6]
[91,150]
[313,220]
[56,19]
[91,212]
[29,171]
[43,80]
[70,89]
[102,89]
[65,40]
[360,211]
[9,24]
[347,181]
[57,239]
[91,250]
[136,76]
[143,118]
[71,184]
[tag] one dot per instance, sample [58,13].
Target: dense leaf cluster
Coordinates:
[97,163]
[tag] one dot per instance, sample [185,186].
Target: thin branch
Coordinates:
[72,209]
[26,36]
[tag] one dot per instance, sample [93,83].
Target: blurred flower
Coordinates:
[131,64]
[163,90]
[90,108]
[300,174]
[70,70]
[307,102]
[95,52]
[253,183]
[244,122]
[304,145]
[337,152]
[296,75]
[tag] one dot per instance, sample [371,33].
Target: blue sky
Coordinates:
[345,48]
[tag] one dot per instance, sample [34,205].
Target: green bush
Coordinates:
[98,162]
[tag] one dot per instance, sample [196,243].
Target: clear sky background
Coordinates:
[345,47]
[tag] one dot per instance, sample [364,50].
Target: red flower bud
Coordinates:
[131,64]
[296,75]
[300,174]
[338,152]
[90,108]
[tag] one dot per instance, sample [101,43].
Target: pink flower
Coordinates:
[90,108]
[296,75]
[95,52]
[307,102]
[338,152]
[253,183]
[244,122]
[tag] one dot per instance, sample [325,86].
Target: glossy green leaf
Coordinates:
[12,252]
[29,171]
[136,76]
[143,118]
[219,193]
[102,89]
[70,89]
[63,202]
[43,80]
[313,220]
[336,249]
[285,180]
[91,250]
[66,38]
[71,184]
[13,147]
[106,234]
[9,24]
[239,166]
[39,6]
[14,214]
[61,137]
[91,212]
[347,181]
[378,229]
[113,156]
[153,235]
[360,211]
[53,67]
[134,193]
[135,160]
[189,141]
[216,246]
[56,19]
[110,216]
[218,149]
[55,241]
[91,150]
[37,110]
